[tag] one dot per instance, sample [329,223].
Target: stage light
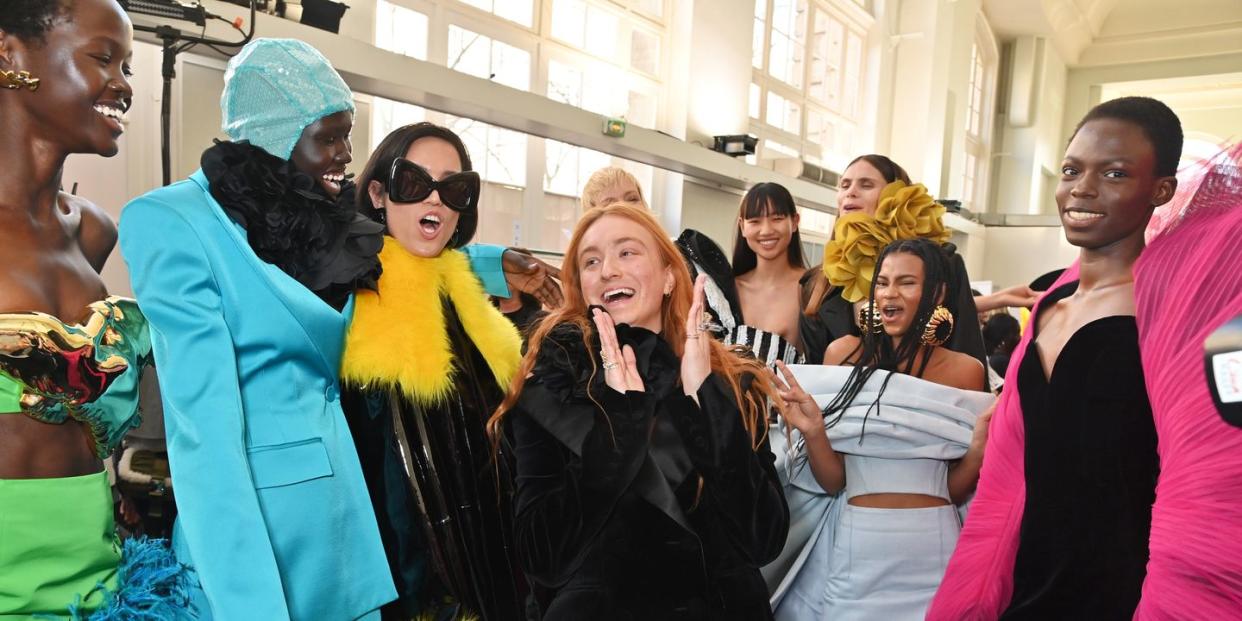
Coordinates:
[734,145]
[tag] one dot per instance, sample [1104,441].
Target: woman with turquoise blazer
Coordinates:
[245,272]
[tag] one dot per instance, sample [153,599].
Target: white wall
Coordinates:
[711,211]
[1018,255]
[1028,145]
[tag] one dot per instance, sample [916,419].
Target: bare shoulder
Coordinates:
[96,229]
[959,370]
[842,350]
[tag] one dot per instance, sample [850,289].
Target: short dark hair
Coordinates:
[890,170]
[761,200]
[30,20]
[1159,123]
[1001,333]
[394,146]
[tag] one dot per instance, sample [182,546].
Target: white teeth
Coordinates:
[334,178]
[1082,216]
[431,218]
[614,293]
[110,112]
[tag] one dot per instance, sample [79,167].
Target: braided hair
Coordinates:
[877,351]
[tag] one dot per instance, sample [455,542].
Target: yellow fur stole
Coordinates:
[398,338]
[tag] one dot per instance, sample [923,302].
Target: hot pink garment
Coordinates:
[978,582]
[1188,283]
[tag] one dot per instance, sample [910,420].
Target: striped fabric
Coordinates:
[767,346]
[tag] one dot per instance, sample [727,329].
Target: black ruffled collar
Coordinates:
[564,367]
[324,244]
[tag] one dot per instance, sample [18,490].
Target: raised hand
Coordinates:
[979,439]
[696,360]
[620,367]
[800,409]
[528,274]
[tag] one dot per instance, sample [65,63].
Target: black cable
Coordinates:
[169,37]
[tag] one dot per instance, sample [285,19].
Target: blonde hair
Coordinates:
[725,362]
[604,179]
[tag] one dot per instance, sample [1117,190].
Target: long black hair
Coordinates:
[765,199]
[396,145]
[877,351]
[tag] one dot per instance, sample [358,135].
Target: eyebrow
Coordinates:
[616,243]
[1069,159]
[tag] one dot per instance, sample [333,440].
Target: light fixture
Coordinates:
[167,8]
[734,145]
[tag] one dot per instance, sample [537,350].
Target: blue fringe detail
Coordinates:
[151,585]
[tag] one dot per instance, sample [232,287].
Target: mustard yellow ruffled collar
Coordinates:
[398,337]
[904,212]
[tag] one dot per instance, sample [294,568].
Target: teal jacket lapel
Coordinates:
[324,326]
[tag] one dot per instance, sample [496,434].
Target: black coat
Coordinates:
[641,505]
[835,317]
[442,506]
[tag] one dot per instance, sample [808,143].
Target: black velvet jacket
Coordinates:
[641,505]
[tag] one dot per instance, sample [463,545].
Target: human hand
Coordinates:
[1015,296]
[620,367]
[979,439]
[696,359]
[528,274]
[800,409]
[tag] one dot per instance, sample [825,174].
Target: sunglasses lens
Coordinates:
[458,194]
[409,184]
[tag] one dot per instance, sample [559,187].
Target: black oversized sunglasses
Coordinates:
[410,183]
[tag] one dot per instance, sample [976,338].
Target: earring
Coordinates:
[18,80]
[381,216]
[868,319]
[452,242]
[939,327]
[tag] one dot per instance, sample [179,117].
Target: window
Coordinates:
[387,115]
[604,56]
[978,98]
[519,11]
[483,57]
[400,30]
[810,66]
[499,155]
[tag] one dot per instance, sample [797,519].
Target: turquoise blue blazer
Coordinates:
[273,512]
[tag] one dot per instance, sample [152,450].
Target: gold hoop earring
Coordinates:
[869,320]
[939,327]
[17,80]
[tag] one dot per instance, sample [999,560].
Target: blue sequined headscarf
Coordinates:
[274,88]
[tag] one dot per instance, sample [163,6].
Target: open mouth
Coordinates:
[114,116]
[332,181]
[890,312]
[617,296]
[1079,216]
[768,244]
[430,225]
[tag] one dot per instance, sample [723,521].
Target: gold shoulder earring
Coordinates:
[17,80]
[939,327]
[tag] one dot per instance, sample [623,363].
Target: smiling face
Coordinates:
[1109,185]
[899,291]
[423,228]
[768,235]
[83,68]
[620,268]
[858,191]
[324,150]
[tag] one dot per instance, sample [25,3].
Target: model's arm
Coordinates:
[804,414]
[739,479]
[219,511]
